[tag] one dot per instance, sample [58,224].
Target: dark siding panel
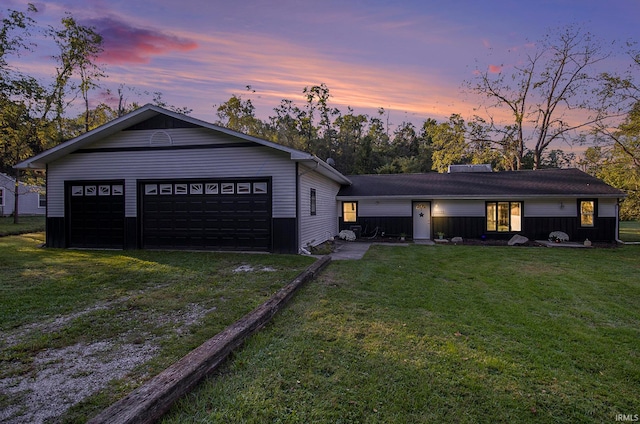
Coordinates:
[471,227]
[131,233]
[284,235]
[55,236]
[539,228]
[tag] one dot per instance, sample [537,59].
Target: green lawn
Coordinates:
[630,231]
[426,334]
[25,224]
[58,302]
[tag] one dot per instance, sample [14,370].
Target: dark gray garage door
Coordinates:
[206,215]
[95,214]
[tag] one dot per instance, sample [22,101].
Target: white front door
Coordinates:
[421,220]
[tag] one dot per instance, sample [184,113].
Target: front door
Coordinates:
[421,220]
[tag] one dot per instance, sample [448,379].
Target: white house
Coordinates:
[31,201]
[157,179]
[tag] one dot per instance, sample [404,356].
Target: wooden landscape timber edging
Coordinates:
[151,401]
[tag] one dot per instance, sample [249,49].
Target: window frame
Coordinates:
[354,209]
[497,218]
[42,200]
[594,213]
[313,199]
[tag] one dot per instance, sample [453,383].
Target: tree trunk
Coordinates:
[16,195]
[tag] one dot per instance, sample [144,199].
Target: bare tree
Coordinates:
[543,94]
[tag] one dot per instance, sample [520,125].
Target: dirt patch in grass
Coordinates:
[59,378]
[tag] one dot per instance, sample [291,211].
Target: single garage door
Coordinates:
[95,214]
[206,215]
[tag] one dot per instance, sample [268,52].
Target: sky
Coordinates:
[410,57]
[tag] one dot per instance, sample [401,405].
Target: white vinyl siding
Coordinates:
[28,200]
[316,229]
[540,208]
[384,207]
[607,208]
[242,162]
[457,207]
[160,138]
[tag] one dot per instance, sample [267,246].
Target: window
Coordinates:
[349,211]
[259,188]
[504,216]
[196,188]
[1,196]
[312,202]
[244,188]
[587,213]
[228,188]
[42,200]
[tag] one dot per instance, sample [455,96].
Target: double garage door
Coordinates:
[208,215]
[200,215]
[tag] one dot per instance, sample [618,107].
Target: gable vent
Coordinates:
[160,138]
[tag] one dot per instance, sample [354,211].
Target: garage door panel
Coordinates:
[206,215]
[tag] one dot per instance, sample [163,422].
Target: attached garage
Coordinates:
[206,215]
[157,179]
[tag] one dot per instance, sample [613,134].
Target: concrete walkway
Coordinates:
[354,250]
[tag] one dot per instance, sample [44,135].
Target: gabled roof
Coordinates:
[150,111]
[480,185]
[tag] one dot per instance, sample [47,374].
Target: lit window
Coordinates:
[312,201]
[349,211]
[504,216]
[587,213]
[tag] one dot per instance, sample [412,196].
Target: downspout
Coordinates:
[298,223]
[618,222]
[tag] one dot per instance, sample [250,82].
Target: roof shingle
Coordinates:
[544,182]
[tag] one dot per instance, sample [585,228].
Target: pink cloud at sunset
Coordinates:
[410,57]
[124,43]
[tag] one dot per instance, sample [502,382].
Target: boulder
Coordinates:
[517,239]
[347,235]
[558,236]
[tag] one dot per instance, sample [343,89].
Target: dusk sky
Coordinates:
[410,57]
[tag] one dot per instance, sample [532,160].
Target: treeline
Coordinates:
[364,144]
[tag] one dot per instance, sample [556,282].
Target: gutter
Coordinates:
[618,223]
